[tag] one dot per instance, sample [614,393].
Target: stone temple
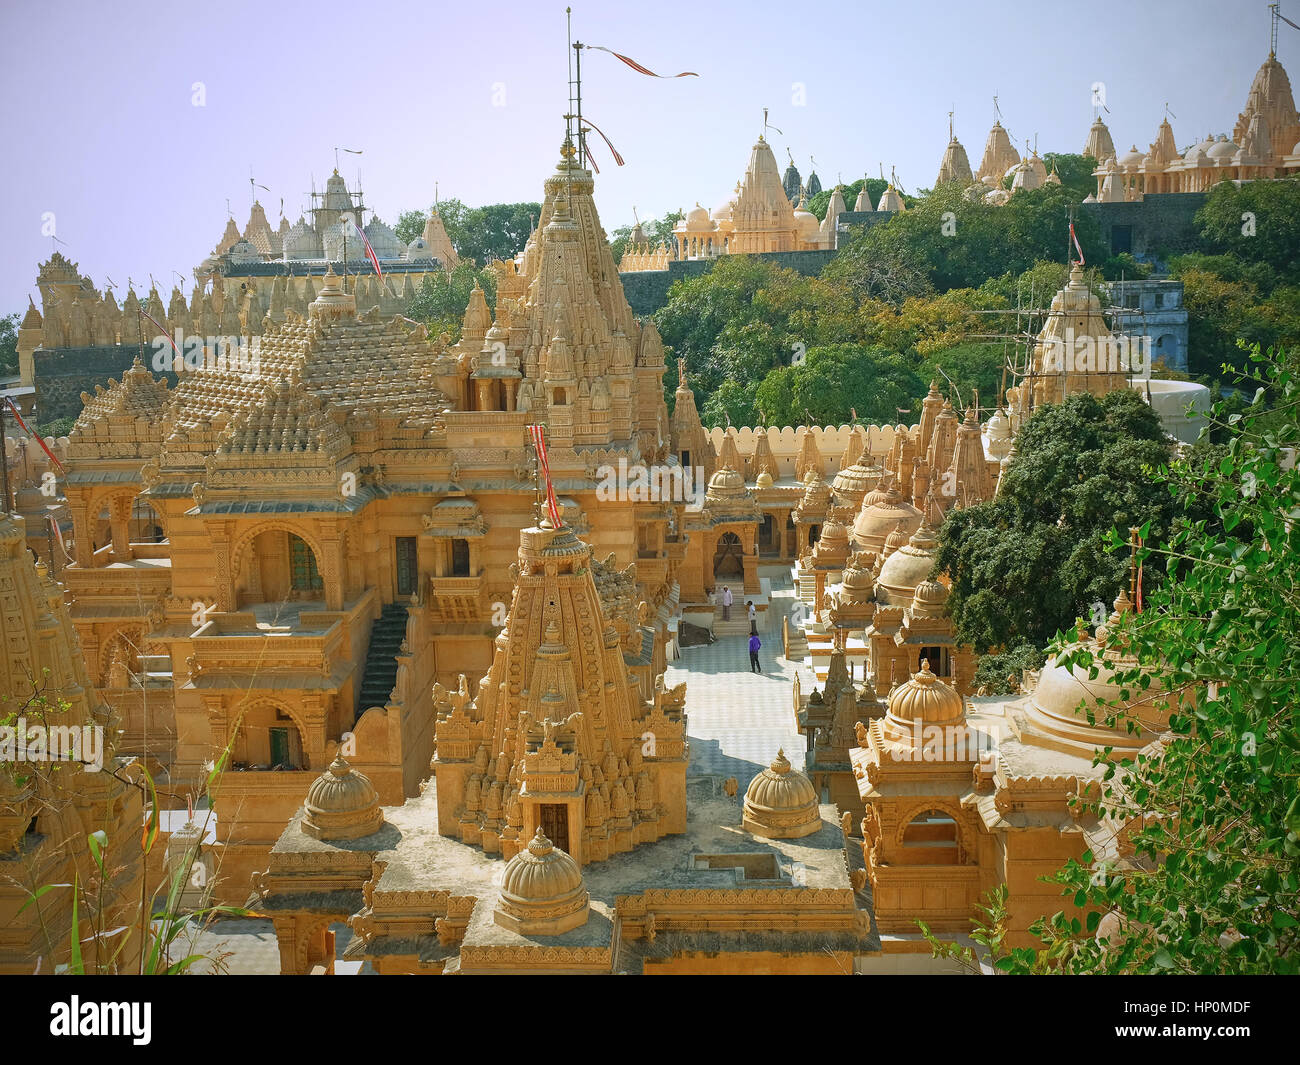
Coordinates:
[429,681]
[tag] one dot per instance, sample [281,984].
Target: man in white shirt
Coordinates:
[753,617]
[726,602]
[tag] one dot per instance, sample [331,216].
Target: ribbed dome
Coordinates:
[907,567]
[763,480]
[781,803]
[852,483]
[925,698]
[542,891]
[341,804]
[880,514]
[930,599]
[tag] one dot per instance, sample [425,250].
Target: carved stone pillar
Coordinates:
[81,535]
[331,569]
[119,517]
[313,722]
[223,565]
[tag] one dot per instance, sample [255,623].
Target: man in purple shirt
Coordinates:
[754,645]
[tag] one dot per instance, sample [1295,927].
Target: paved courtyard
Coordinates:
[737,720]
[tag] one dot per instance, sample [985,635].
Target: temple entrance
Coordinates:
[767,541]
[937,657]
[553,817]
[729,559]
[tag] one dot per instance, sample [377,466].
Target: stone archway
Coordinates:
[729,558]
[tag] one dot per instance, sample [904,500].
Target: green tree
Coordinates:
[1215,883]
[495,231]
[1030,561]
[9,344]
[442,298]
[1075,172]
[833,381]
[1257,222]
[410,224]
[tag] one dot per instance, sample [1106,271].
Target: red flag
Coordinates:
[161,329]
[637,66]
[370,252]
[539,443]
[1076,243]
[612,150]
[23,425]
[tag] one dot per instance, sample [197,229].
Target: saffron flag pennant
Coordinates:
[23,425]
[637,66]
[370,252]
[162,329]
[539,443]
[618,159]
[1077,248]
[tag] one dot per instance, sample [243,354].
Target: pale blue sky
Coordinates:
[98,125]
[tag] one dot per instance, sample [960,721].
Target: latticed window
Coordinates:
[303,574]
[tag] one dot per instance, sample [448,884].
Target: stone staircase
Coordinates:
[381,658]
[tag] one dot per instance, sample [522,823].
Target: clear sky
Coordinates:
[100,126]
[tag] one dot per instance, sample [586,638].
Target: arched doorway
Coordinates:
[930,838]
[729,558]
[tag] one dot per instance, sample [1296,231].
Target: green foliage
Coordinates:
[1123,267]
[987,241]
[1000,673]
[1257,222]
[441,301]
[56,428]
[1214,885]
[1030,561]
[410,224]
[834,380]
[1075,172]
[989,930]
[495,231]
[9,344]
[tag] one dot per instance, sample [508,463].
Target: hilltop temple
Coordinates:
[1265,143]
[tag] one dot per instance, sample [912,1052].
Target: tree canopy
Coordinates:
[1032,560]
[1214,886]
[494,231]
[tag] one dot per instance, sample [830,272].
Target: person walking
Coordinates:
[726,602]
[753,617]
[754,645]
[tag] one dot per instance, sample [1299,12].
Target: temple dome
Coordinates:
[341,804]
[726,483]
[907,567]
[542,891]
[1222,150]
[698,218]
[852,483]
[881,512]
[927,699]
[930,599]
[781,803]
